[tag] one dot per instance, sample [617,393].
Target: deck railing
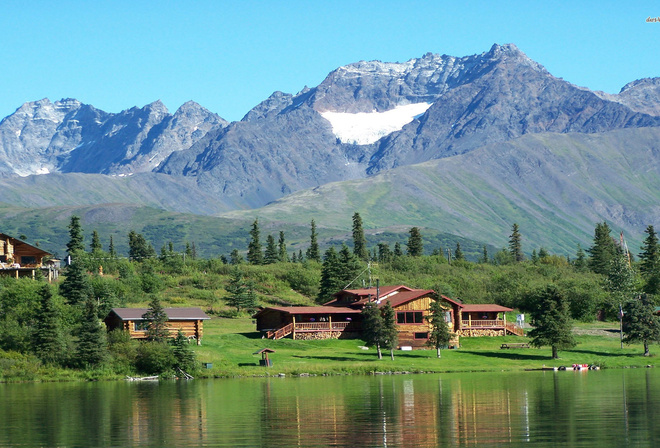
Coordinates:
[322,326]
[493,323]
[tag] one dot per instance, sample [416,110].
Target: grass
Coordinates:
[229,345]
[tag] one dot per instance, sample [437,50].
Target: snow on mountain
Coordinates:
[365,128]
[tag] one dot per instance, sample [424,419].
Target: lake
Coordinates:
[541,409]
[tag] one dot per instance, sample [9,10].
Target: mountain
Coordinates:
[70,137]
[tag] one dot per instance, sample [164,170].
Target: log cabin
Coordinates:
[189,320]
[20,259]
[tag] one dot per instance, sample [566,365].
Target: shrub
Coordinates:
[154,358]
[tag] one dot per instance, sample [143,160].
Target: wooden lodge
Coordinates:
[189,320]
[341,317]
[20,259]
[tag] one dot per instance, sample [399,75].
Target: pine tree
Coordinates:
[515,245]
[281,245]
[271,255]
[76,239]
[372,327]
[440,334]
[384,253]
[603,250]
[640,324]
[552,321]
[535,257]
[185,359]
[415,245]
[91,349]
[359,240]
[313,253]
[75,287]
[650,255]
[390,332]
[156,320]
[254,255]
[47,339]
[111,248]
[95,246]
[241,292]
[235,257]
[484,256]
[349,266]
[543,253]
[580,262]
[458,254]
[300,256]
[331,275]
[138,247]
[397,250]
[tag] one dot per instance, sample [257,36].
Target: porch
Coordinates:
[305,330]
[488,326]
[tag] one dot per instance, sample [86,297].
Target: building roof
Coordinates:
[311,310]
[21,247]
[405,296]
[484,308]
[192,313]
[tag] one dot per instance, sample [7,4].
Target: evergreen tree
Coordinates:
[332,279]
[76,239]
[415,245]
[156,320]
[603,250]
[294,258]
[111,248]
[271,255]
[349,266]
[515,244]
[254,255]
[543,253]
[281,245]
[552,321]
[397,250]
[535,257]
[372,327]
[300,256]
[390,333]
[95,246]
[650,255]
[384,253]
[640,324]
[313,252]
[359,240]
[75,287]
[241,292]
[138,247]
[484,256]
[440,334]
[620,282]
[458,254]
[47,339]
[91,349]
[235,257]
[580,262]
[185,359]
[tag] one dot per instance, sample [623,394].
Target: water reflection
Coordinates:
[612,408]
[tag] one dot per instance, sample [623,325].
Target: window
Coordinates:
[410,317]
[140,325]
[28,260]
[421,335]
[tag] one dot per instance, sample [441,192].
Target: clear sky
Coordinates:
[229,56]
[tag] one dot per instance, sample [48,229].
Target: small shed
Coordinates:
[189,320]
[264,361]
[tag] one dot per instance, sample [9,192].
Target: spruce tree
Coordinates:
[415,245]
[271,255]
[138,247]
[484,256]
[359,240]
[47,339]
[332,279]
[458,254]
[235,257]
[76,239]
[254,255]
[603,249]
[384,253]
[185,359]
[372,327]
[650,255]
[95,246]
[440,334]
[313,252]
[397,250]
[390,332]
[300,256]
[156,319]
[640,324]
[515,244]
[91,349]
[111,248]
[552,321]
[75,287]
[349,266]
[281,245]
[241,292]
[580,262]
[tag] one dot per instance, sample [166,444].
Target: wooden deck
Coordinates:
[310,327]
[492,324]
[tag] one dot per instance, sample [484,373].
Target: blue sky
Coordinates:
[229,56]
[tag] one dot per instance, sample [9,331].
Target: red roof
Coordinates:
[172,313]
[485,308]
[311,310]
[405,296]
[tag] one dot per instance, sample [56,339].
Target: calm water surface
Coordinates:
[540,409]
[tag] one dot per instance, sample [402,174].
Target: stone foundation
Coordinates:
[319,335]
[480,332]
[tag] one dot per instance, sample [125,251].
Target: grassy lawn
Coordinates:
[229,345]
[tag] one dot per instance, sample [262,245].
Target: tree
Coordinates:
[313,252]
[76,239]
[515,244]
[484,257]
[331,275]
[640,324]
[185,359]
[235,257]
[580,262]
[390,333]
[415,245]
[649,265]
[47,338]
[397,250]
[138,247]
[111,248]
[551,320]
[603,249]
[254,255]
[440,334]
[271,255]
[281,245]
[75,287]
[241,293]
[372,327]
[96,246]
[91,349]
[384,253]
[156,320]
[359,240]
[349,265]
[458,253]
[620,282]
